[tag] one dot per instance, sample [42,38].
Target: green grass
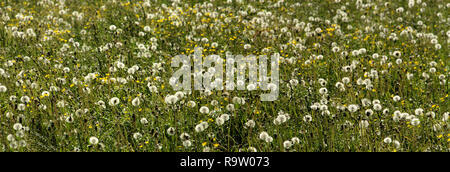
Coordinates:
[51,61]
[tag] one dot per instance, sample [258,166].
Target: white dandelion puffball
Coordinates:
[204,110]
[323,91]
[263,135]
[287,144]
[144,121]
[199,128]
[171,99]
[147,29]
[377,107]
[187,143]
[353,108]
[112,27]
[171,131]
[185,136]
[220,121]
[252,149]
[191,104]
[415,122]
[136,101]
[251,87]
[364,124]
[114,101]
[307,118]
[250,124]
[396,98]
[93,140]
[387,140]
[17,126]
[418,111]
[295,140]
[137,136]
[396,144]
[3,89]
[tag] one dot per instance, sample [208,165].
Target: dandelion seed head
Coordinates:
[114,101]
[137,136]
[17,126]
[136,101]
[144,121]
[171,99]
[387,140]
[287,144]
[204,110]
[171,131]
[396,98]
[187,143]
[3,89]
[250,124]
[353,108]
[93,140]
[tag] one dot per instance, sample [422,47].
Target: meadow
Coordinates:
[94,76]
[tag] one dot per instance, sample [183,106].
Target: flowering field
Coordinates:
[355,75]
